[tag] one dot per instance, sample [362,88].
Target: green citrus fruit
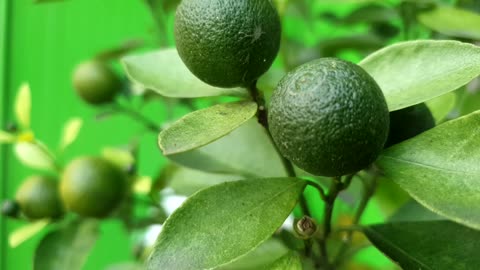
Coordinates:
[95,82]
[329,117]
[38,198]
[227,43]
[92,186]
[408,123]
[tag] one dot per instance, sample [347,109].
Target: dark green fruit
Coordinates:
[92,187]
[95,82]
[227,43]
[329,117]
[408,123]
[38,198]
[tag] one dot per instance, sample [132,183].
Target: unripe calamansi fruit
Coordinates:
[227,43]
[329,117]
[92,186]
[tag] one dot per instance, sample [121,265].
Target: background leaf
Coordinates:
[67,247]
[290,261]
[164,72]
[6,137]
[413,211]
[442,106]
[435,245]
[70,132]
[26,232]
[23,105]
[205,126]
[452,22]
[442,172]
[126,266]
[224,222]
[232,154]
[416,71]
[34,156]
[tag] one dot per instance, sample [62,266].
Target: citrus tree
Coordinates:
[290,146]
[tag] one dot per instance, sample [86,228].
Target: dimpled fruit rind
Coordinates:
[329,117]
[227,43]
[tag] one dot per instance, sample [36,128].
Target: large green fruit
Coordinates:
[227,43]
[329,117]
[38,198]
[408,123]
[92,187]
[95,82]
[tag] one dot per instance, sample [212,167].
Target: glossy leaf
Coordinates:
[223,222]
[70,132]
[164,72]
[34,155]
[428,245]
[26,232]
[442,106]
[186,181]
[452,22]
[290,261]
[232,154]
[6,137]
[23,105]
[442,171]
[202,127]
[416,71]
[264,255]
[67,247]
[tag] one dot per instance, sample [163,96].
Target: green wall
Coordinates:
[41,44]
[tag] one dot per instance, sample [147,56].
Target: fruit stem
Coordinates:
[369,190]
[137,116]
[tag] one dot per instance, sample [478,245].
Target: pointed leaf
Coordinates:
[70,132]
[416,71]
[67,247]
[26,232]
[34,156]
[452,21]
[290,261]
[439,168]
[202,127]
[164,72]
[428,245]
[224,222]
[229,154]
[6,137]
[23,105]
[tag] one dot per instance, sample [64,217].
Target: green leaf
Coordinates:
[427,245]
[122,158]
[264,255]
[70,132]
[6,137]
[34,155]
[413,211]
[442,106]
[452,22]
[202,127]
[186,181]
[416,71]
[164,72]
[67,247]
[290,261]
[26,232]
[223,222]
[439,168]
[23,105]
[232,154]
[371,13]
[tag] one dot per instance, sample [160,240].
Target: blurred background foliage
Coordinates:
[42,41]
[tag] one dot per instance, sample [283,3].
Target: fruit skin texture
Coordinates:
[329,117]
[95,82]
[408,123]
[92,187]
[38,197]
[227,43]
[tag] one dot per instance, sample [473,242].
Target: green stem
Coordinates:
[369,190]
[149,124]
